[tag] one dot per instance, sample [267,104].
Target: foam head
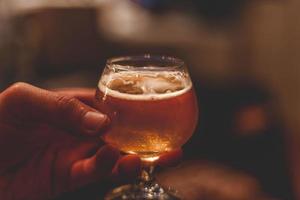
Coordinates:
[144,84]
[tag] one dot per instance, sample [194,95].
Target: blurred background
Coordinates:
[243,57]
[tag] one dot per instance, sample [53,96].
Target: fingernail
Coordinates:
[94,122]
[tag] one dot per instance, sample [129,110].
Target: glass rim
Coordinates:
[176,63]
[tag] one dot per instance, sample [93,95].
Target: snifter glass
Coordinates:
[153,108]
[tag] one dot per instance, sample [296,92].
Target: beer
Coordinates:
[151,111]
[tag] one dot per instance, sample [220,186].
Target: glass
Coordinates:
[153,108]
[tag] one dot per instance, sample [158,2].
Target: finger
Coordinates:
[92,169]
[85,95]
[127,168]
[25,104]
[68,153]
[171,158]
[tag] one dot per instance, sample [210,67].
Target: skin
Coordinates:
[48,145]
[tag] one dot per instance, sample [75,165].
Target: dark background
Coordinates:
[241,56]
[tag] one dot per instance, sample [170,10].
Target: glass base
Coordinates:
[141,191]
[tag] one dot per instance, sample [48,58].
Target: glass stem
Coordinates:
[147,175]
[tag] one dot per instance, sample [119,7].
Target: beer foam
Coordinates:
[144,85]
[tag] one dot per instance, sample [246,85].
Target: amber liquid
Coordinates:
[149,127]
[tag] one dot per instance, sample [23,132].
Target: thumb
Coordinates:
[24,104]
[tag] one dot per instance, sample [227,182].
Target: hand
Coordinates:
[49,144]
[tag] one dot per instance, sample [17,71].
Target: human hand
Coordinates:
[49,144]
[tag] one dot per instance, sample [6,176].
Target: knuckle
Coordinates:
[17,88]
[71,109]
[14,98]
[66,101]
[70,105]
[15,91]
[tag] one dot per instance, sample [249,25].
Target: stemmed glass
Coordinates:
[153,108]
